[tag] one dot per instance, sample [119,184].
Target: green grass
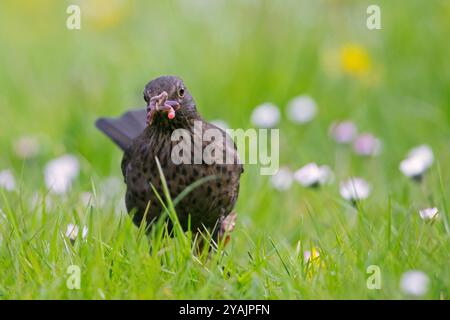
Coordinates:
[55,82]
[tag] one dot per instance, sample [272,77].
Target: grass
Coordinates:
[55,82]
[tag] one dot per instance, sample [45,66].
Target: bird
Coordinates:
[145,136]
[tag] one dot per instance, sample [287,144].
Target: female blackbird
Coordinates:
[144,135]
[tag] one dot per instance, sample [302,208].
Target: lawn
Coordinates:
[296,243]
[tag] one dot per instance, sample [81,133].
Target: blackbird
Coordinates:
[145,134]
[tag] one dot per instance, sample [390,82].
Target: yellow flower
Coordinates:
[355,60]
[106,13]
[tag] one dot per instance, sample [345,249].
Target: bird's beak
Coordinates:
[160,103]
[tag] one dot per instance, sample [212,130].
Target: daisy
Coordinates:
[7,180]
[26,147]
[59,173]
[72,231]
[367,144]
[414,283]
[282,180]
[311,255]
[86,198]
[417,162]
[429,213]
[312,175]
[266,115]
[343,132]
[301,109]
[354,189]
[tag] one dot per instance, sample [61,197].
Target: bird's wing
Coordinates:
[125,129]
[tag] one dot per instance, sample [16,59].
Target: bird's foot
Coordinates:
[227,225]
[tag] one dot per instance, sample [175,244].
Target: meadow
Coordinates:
[290,241]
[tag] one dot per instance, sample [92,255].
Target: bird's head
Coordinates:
[168,99]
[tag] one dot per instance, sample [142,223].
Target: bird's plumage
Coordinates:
[207,203]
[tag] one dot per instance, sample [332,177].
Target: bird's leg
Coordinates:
[227,225]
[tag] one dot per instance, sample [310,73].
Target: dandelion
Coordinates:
[26,147]
[428,213]
[106,13]
[302,109]
[72,231]
[414,283]
[220,124]
[367,144]
[355,60]
[354,189]
[312,175]
[343,132]
[282,180]
[7,180]
[60,172]
[417,162]
[266,115]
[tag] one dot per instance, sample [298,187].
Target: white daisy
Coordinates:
[310,255]
[72,231]
[424,153]
[417,162]
[86,198]
[282,179]
[367,144]
[26,147]
[414,283]
[301,109]
[60,172]
[343,132]
[266,115]
[7,180]
[312,175]
[355,189]
[428,213]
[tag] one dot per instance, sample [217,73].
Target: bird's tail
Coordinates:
[125,129]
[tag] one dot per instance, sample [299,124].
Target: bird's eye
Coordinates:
[181,92]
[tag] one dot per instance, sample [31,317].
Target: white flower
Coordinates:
[7,180]
[354,189]
[418,161]
[428,213]
[266,115]
[313,175]
[424,153]
[72,231]
[60,172]
[26,147]
[414,283]
[302,109]
[220,123]
[282,180]
[311,255]
[343,132]
[86,198]
[367,144]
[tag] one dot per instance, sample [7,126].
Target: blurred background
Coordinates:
[233,56]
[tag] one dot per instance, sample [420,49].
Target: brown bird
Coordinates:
[146,134]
